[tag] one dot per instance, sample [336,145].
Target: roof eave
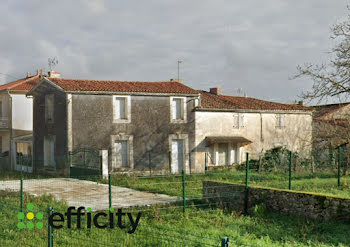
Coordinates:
[130,93]
[254,111]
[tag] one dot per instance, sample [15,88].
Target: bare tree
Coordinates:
[333,78]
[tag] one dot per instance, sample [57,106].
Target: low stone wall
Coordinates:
[308,205]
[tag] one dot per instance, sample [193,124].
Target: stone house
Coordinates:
[226,127]
[142,125]
[157,126]
[16,122]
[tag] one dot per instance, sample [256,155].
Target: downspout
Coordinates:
[13,166]
[261,129]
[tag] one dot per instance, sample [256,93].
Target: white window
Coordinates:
[178,109]
[238,121]
[279,121]
[49,103]
[121,108]
[49,151]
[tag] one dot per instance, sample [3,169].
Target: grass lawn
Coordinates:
[169,227]
[325,183]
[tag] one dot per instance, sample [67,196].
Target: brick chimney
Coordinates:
[301,102]
[215,90]
[54,74]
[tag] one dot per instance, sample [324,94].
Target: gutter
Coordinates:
[254,111]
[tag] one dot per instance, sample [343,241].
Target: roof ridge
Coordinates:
[73,79]
[331,111]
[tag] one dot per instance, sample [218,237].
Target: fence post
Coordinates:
[21,191]
[150,163]
[50,230]
[225,242]
[189,162]
[184,189]
[206,161]
[246,185]
[110,190]
[290,169]
[339,163]
[169,162]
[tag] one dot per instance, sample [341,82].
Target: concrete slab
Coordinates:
[88,194]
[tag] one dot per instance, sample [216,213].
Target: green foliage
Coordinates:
[167,226]
[259,210]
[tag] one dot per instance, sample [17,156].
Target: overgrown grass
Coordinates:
[325,183]
[167,226]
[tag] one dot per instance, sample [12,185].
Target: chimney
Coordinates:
[178,80]
[215,90]
[54,74]
[301,102]
[28,74]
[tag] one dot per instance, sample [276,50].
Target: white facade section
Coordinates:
[22,112]
[259,128]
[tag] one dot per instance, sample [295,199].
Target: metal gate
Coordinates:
[84,162]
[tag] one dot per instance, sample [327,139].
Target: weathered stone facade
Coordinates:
[149,127]
[307,205]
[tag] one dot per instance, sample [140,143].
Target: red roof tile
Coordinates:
[122,86]
[324,110]
[213,101]
[24,84]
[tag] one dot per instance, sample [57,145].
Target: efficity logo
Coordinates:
[100,220]
[28,220]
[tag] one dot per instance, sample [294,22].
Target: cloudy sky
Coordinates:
[249,44]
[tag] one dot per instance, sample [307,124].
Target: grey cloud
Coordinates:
[251,44]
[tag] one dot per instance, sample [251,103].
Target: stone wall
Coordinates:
[307,205]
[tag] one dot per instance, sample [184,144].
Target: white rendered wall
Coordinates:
[22,112]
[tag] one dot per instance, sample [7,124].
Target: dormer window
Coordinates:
[49,108]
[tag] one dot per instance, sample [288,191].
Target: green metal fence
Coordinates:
[174,210]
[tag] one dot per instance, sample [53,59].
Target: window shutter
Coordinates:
[49,107]
[122,108]
[0,109]
[117,108]
[236,121]
[241,121]
[52,151]
[178,108]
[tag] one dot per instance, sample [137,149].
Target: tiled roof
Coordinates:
[335,122]
[122,86]
[323,110]
[24,84]
[213,101]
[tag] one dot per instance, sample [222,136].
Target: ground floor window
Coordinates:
[24,149]
[223,154]
[121,153]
